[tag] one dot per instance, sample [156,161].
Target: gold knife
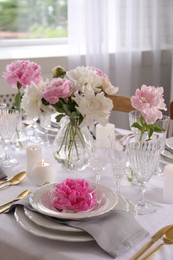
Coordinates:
[154,238]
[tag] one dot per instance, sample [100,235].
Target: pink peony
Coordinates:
[55,89]
[149,101]
[23,72]
[73,195]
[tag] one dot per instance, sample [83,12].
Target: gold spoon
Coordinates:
[167,239]
[7,207]
[14,180]
[19,197]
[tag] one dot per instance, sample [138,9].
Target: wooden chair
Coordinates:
[122,103]
[171,110]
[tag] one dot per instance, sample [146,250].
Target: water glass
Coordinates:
[143,158]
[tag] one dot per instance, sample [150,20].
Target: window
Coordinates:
[33,19]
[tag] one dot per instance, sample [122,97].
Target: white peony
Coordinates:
[95,108]
[31,100]
[83,78]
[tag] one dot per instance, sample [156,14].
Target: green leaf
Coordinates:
[59,117]
[137,125]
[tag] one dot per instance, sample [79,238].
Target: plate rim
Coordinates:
[78,215]
[38,231]
[58,227]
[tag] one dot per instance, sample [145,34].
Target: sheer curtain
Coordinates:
[124,38]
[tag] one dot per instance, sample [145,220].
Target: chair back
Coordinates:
[7,99]
[122,103]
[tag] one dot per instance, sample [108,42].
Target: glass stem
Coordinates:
[142,192]
[7,155]
[117,185]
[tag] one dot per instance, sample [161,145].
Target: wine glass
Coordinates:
[143,158]
[118,159]
[8,126]
[98,158]
[35,138]
[161,139]
[45,123]
[3,107]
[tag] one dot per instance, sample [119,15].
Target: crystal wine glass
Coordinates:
[98,158]
[118,158]
[143,158]
[8,126]
[161,139]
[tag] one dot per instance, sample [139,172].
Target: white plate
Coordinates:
[167,155]
[40,202]
[33,228]
[41,220]
[169,142]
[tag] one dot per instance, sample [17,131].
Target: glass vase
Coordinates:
[72,143]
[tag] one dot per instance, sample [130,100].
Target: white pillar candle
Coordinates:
[33,156]
[168,183]
[43,173]
[105,134]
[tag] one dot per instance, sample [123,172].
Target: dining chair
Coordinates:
[7,99]
[122,103]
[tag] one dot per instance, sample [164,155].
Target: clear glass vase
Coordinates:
[72,143]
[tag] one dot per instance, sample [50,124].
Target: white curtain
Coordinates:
[124,38]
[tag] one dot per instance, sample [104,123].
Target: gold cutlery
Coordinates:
[5,180]
[154,238]
[6,206]
[14,180]
[167,239]
[19,197]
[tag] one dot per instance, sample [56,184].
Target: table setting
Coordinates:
[74,191]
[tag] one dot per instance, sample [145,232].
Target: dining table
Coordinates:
[18,244]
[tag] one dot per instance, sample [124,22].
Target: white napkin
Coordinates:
[115,232]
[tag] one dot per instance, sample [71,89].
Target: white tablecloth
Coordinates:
[18,244]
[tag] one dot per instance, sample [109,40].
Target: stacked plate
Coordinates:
[168,152]
[46,221]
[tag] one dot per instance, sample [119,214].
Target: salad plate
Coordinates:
[40,201]
[41,231]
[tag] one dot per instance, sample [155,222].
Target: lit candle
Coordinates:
[105,134]
[33,156]
[43,173]
[168,183]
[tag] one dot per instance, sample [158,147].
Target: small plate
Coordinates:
[167,155]
[169,142]
[40,201]
[37,230]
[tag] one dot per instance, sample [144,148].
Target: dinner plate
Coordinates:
[40,201]
[40,231]
[42,220]
[167,155]
[169,142]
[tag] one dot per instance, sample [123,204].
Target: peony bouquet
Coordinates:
[149,102]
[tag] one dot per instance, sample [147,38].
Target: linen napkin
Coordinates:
[2,174]
[115,232]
